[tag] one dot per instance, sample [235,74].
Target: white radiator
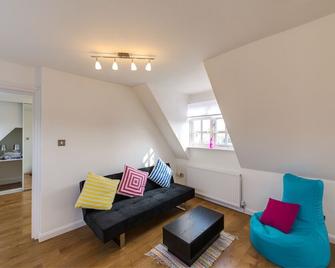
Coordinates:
[220,186]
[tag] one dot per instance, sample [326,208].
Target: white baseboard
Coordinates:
[249,211]
[219,202]
[246,210]
[60,230]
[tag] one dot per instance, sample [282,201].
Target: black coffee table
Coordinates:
[191,234]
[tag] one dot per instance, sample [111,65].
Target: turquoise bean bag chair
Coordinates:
[307,245]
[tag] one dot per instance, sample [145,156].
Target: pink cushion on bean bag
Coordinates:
[280,215]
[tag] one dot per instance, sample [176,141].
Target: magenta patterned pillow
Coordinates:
[133,182]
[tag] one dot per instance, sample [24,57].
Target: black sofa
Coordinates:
[129,212]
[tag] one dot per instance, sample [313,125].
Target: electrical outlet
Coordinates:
[181,175]
[61,142]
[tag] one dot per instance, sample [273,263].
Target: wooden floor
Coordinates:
[27,182]
[80,248]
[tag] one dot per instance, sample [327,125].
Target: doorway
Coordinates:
[15,143]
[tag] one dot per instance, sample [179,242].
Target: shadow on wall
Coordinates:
[149,158]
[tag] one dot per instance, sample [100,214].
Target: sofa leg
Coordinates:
[182,207]
[121,240]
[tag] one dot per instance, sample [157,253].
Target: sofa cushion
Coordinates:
[98,193]
[133,182]
[161,174]
[130,212]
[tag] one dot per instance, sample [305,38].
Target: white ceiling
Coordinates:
[182,33]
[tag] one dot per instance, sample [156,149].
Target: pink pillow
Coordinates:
[280,215]
[133,182]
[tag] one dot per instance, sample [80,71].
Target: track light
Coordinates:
[115,67]
[133,66]
[123,56]
[148,66]
[98,66]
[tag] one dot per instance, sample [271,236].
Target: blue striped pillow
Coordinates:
[161,174]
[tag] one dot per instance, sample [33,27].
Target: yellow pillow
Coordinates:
[98,193]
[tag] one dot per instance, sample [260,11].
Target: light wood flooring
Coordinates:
[80,248]
[27,182]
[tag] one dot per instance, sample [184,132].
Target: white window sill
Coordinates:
[230,149]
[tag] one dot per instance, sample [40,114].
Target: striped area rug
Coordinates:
[161,254]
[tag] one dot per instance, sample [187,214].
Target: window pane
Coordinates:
[196,138]
[220,138]
[205,138]
[196,125]
[220,125]
[206,125]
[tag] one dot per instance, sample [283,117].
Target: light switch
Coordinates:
[61,142]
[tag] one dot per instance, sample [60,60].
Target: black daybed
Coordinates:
[128,212]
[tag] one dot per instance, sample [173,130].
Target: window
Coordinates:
[209,131]
[207,128]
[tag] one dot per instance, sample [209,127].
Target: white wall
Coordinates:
[277,96]
[27,138]
[10,117]
[16,76]
[105,126]
[258,186]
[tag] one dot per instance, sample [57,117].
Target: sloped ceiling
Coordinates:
[277,97]
[61,34]
[157,115]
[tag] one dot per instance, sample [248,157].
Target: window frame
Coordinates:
[212,132]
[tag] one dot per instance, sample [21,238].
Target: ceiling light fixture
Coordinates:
[115,67]
[148,66]
[123,56]
[133,66]
[98,66]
